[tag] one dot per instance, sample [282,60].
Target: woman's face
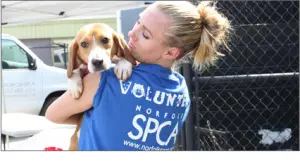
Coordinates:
[146,37]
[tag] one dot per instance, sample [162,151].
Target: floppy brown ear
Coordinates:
[73,48]
[121,49]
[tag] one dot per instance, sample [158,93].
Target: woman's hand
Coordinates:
[65,109]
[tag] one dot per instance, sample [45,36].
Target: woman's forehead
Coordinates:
[154,20]
[155,14]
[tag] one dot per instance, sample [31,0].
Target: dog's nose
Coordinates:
[97,63]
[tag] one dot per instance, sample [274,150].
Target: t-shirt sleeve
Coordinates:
[103,77]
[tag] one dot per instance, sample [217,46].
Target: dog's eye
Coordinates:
[84,44]
[104,40]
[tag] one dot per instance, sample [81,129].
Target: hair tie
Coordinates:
[203,21]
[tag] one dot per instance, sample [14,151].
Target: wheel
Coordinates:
[47,104]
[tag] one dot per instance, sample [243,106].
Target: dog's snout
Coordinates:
[97,63]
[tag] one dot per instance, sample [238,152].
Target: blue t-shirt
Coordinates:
[146,112]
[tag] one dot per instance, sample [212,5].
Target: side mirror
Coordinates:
[32,64]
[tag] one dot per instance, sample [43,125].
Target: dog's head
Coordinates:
[95,45]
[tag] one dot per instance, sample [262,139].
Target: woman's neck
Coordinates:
[165,63]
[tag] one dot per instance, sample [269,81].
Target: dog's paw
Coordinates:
[75,86]
[123,69]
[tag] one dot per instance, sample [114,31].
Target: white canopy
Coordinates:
[20,12]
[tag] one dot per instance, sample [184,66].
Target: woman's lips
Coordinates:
[130,44]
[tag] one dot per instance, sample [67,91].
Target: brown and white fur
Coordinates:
[92,50]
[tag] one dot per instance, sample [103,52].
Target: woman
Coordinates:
[147,111]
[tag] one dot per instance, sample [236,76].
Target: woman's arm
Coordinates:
[65,109]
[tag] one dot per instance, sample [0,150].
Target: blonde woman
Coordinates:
[147,111]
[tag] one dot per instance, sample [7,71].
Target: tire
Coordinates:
[47,104]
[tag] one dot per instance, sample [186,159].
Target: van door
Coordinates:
[22,85]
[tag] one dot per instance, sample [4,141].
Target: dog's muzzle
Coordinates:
[97,63]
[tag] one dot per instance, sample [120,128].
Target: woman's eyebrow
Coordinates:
[145,26]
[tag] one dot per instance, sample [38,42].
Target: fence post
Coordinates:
[190,121]
[182,138]
[65,55]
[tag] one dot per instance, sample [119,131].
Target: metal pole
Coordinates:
[183,138]
[189,123]
[3,137]
[65,56]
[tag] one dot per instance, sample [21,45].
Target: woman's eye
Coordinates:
[146,37]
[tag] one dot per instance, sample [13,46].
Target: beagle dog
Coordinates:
[92,50]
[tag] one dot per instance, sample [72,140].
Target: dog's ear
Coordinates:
[121,48]
[73,49]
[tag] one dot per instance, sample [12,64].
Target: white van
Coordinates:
[29,85]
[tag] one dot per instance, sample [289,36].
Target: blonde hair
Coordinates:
[196,30]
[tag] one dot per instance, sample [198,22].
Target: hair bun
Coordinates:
[203,9]
[214,32]
[211,20]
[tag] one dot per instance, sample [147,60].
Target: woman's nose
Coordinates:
[131,35]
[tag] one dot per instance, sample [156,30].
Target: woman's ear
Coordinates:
[172,53]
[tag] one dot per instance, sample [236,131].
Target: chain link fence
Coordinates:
[250,99]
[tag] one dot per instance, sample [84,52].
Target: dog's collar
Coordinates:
[85,72]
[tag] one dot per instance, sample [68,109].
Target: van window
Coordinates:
[13,56]
[56,59]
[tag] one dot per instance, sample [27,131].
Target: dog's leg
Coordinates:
[123,69]
[74,139]
[75,85]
